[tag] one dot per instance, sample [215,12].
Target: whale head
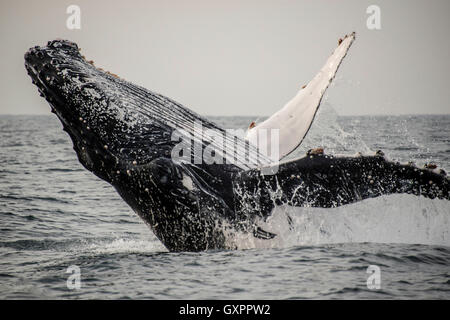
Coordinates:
[57,69]
[102,114]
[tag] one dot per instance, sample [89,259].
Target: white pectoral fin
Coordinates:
[296,117]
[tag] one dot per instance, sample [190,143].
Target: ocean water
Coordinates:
[55,214]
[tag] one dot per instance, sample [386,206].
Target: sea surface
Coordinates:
[54,215]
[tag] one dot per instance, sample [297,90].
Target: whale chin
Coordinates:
[124,134]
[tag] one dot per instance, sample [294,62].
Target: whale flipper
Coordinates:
[328,181]
[296,117]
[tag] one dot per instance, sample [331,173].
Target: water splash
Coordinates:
[122,245]
[402,218]
[326,132]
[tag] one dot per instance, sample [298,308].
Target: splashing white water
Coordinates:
[388,219]
[403,219]
[121,245]
[326,132]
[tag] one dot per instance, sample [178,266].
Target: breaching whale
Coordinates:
[124,134]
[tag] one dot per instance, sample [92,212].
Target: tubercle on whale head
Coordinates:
[38,58]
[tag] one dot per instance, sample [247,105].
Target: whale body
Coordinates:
[126,135]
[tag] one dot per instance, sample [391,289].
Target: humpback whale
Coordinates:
[124,134]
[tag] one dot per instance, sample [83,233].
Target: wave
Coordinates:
[33,198]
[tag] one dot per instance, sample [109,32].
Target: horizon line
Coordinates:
[260,116]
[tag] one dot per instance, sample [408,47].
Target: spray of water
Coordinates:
[398,218]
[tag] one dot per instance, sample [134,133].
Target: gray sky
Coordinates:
[242,57]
